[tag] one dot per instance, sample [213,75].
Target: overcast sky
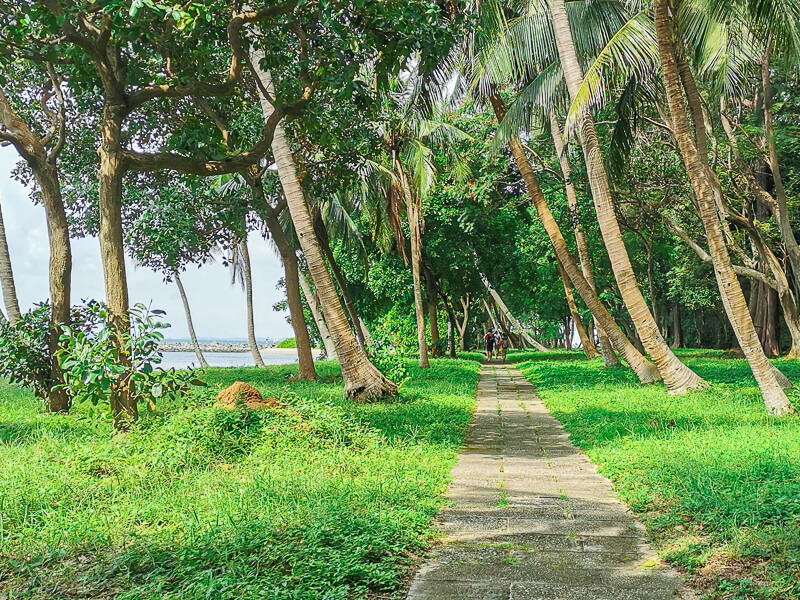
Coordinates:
[218,309]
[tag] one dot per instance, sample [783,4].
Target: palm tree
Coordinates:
[7,277]
[241,271]
[609,357]
[362,380]
[586,341]
[706,188]
[192,336]
[678,378]
[645,371]
[313,305]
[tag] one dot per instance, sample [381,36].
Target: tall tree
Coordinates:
[678,377]
[706,185]
[7,277]
[189,323]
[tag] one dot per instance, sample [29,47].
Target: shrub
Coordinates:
[288,343]
[24,355]
[92,365]
[391,361]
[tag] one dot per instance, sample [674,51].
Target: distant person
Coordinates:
[497,340]
[488,340]
[504,341]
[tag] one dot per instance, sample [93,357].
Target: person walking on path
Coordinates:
[488,340]
[503,347]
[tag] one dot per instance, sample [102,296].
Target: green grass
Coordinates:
[288,343]
[715,480]
[323,499]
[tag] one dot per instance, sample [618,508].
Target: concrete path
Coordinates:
[531,518]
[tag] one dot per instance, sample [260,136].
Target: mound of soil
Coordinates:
[244,395]
[733,353]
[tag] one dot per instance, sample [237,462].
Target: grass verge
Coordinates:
[322,499]
[715,480]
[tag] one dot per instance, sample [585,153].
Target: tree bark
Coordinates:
[313,304]
[412,210]
[192,336]
[703,180]
[781,207]
[362,380]
[462,327]
[305,358]
[112,170]
[248,289]
[678,378]
[588,344]
[645,371]
[677,326]
[610,358]
[324,243]
[7,278]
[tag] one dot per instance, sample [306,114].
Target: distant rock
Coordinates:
[243,395]
[208,347]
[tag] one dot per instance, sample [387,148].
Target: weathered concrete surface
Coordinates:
[531,517]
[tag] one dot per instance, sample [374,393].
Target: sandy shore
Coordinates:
[225,347]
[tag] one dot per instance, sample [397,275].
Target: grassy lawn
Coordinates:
[322,499]
[715,480]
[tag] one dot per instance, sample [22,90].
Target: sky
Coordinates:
[218,309]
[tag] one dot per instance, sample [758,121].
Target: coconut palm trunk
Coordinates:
[678,378]
[610,358]
[703,181]
[588,344]
[645,371]
[362,380]
[313,304]
[412,211]
[505,312]
[248,290]
[7,277]
[192,336]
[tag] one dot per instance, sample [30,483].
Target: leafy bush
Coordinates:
[288,343]
[92,363]
[391,361]
[24,355]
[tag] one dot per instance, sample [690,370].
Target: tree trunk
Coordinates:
[112,170]
[677,326]
[313,304]
[645,371]
[412,210]
[491,314]
[610,358]
[305,358]
[498,300]
[248,288]
[588,344]
[678,378]
[7,278]
[324,243]
[197,351]
[702,181]
[362,380]
[462,327]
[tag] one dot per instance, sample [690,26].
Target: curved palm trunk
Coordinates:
[362,380]
[678,377]
[7,277]
[588,345]
[355,319]
[248,289]
[313,304]
[703,181]
[412,210]
[195,345]
[610,358]
[645,371]
[505,312]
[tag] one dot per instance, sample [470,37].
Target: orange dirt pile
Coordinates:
[244,395]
